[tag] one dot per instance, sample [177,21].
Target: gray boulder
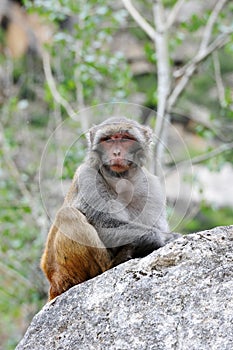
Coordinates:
[178,297]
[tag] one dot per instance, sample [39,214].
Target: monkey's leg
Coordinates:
[130,251]
[77,253]
[124,254]
[75,263]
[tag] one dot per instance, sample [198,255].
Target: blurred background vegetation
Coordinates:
[68,64]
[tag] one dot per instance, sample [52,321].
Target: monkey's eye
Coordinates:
[106,139]
[127,138]
[117,137]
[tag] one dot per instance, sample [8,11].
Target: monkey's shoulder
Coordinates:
[152,182]
[80,173]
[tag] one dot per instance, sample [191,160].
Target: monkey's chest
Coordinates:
[132,199]
[136,210]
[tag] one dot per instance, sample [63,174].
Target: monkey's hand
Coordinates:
[124,254]
[171,236]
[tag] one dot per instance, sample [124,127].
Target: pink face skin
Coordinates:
[117,147]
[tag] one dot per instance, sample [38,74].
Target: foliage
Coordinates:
[87,71]
[20,292]
[201,89]
[208,217]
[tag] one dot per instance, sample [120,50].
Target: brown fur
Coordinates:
[65,262]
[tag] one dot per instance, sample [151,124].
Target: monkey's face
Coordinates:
[118,145]
[117,151]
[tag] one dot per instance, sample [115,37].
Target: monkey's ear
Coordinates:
[90,135]
[148,133]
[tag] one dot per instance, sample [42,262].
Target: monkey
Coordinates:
[114,210]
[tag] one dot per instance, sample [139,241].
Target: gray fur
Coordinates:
[128,210]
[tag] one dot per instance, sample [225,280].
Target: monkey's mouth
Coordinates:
[119,165]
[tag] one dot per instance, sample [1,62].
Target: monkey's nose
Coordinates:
[116,152]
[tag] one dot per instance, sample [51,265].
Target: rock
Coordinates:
[178,297]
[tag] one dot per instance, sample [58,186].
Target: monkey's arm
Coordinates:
[94,199]
[114,226]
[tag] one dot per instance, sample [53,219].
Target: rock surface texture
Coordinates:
[178,297]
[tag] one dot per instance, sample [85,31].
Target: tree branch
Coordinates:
[190,117]
[12,277]
[164,81]
[173,14]
[148,29]
[84,116]
[209,26]
[204,51]
[187,71]
[52,86]
[163,67]
[201,158]
[218,79]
